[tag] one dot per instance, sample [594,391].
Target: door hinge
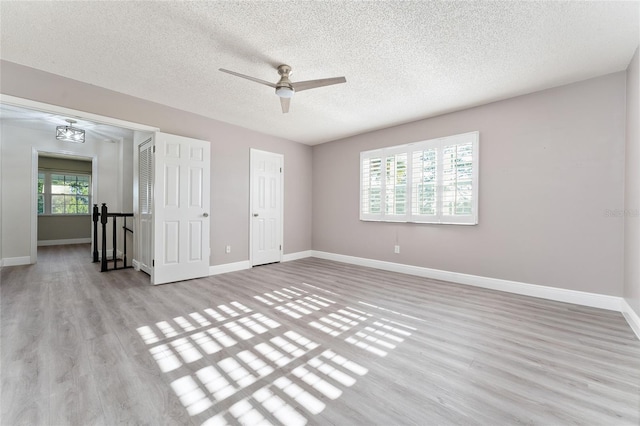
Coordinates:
[280,247]
[280,169]
[154,149]
[153,262]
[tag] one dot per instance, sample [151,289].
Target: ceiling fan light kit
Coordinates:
[285,88]
[285,92]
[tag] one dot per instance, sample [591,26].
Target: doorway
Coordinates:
[33,125]
[63,191]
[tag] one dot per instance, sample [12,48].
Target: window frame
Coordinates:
[410,215]
[47,194]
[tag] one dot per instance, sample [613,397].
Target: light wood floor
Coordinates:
[309,341]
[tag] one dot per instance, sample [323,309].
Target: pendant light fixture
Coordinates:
[70,133]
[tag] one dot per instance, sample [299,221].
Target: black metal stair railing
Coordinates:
[102,215]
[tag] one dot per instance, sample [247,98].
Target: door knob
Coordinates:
[205,214]
[255,215]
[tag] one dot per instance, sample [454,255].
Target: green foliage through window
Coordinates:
[64,193]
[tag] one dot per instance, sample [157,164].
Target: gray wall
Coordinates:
[632,190]
[551,167]
[230,147]
[64,227]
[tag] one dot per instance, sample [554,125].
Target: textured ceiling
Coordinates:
[403,61]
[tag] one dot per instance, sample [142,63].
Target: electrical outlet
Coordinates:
[396,249]
[227,249]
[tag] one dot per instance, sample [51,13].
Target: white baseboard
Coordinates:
[632,317]
[245,264]
[594,300]
[229,267]
[298,255]
[63,242]
[16,261]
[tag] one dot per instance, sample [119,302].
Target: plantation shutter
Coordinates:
[424,183]
[459,179]
[371,185]
[433,181]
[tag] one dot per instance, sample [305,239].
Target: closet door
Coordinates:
[145,205]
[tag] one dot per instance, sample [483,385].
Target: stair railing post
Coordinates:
[103,220]
[124,241]
[114,252]
[96,215]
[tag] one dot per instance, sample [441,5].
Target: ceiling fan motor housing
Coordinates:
[284,89]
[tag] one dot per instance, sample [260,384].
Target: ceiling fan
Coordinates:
[285,88]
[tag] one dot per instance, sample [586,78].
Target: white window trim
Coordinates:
[409,149]
[47,191]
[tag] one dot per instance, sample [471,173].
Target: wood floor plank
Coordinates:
[303,342]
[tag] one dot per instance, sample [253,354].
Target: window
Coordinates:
[41,178]
[434,181]
[63,193]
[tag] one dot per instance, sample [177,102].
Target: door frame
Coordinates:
[35,153]
[251,189]
[68,112]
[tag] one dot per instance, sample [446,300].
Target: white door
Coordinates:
[266,207]
[181,209]
[145,204]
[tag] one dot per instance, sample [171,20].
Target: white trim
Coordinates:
[594,300]
[295,256]
[16,261]
[63,242]
[632,317]
[229,267]
[35,153]
[1,263]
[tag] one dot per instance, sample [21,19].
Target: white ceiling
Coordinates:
[403,61]
[47,122]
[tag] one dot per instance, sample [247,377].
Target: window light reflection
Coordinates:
[304,385]
[186,350]
[322,386]
[206,343]
[166,329]
[215,315]
[147,335]
[182,322]
[282,411]
[238,330]
[215,383]
[202,321]
[190,395]
[301,396]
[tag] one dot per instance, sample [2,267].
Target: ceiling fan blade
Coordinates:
[312,84]
[257,80]
[284,102]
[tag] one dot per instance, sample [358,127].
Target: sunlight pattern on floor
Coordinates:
[338,322]
[229,364]
[283,395]
[381,339]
